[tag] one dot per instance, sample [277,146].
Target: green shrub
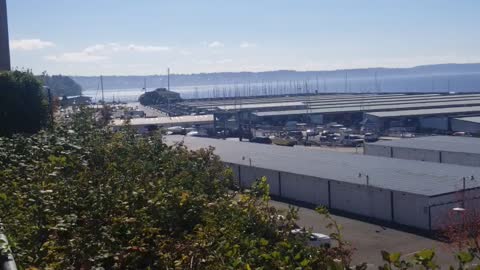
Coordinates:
[23,105]
[81,197]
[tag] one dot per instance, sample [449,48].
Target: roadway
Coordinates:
[369,239]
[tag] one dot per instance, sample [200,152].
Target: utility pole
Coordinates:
[4,41]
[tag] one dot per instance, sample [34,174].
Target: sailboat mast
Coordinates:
[346,82]
[168,79]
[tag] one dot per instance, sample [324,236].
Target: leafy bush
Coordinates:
[23,105]
[81,197]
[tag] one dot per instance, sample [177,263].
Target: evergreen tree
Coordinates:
[23,103]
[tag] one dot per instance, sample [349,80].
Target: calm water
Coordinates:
[458,83]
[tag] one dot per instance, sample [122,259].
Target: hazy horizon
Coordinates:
[172,72]
[112,37]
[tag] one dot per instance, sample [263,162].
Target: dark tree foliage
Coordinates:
[23,103]
[61,85]
[159,96]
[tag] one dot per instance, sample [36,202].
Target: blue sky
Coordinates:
[137,37]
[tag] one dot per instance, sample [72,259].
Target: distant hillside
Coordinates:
[61,85]
[466,75]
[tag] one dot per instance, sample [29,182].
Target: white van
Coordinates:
[315,239]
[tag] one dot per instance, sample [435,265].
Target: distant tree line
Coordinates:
[61,85]
[159,96]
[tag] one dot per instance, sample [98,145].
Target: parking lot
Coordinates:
[370,239]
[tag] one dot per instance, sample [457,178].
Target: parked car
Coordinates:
[297,134]
[310,132]
[261,139]
[314,239]
[370,137]
[197,133]
[329,136]
[176,130]
[461,133]
[352,140]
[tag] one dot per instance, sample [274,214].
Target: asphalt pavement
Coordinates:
[370,239]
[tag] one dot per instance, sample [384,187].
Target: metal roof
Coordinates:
[262,105]
[403,113]
[417,177]
[438,143]
[473,119]
[371,108]
[195,119]
[321,97]
[309,99]
[393,100]
[330,101]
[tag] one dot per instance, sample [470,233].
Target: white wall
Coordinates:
[416,154]
[235,170]
[377,150]
[410,209]
[369,201]
[250,174]
[304,188]
[441,206]
[466,159]
[362,200]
